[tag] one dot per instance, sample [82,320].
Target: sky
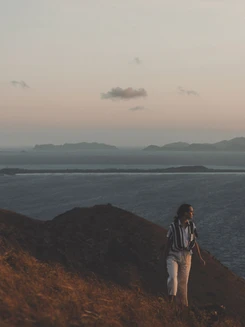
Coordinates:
[128,73]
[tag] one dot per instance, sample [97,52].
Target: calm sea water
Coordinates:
[218,199]
[124,158]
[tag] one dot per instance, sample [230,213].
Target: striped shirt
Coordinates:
[182,238]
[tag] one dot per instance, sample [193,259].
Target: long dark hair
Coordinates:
[183,208]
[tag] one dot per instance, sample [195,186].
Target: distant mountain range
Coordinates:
[235,144]
[74,147]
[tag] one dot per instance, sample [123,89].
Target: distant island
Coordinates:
[235,144]
[74,147]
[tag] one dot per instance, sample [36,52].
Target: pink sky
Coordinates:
[59,57]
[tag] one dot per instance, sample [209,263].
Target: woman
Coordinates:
[181,239]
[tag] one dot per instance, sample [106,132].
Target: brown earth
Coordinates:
[119,247]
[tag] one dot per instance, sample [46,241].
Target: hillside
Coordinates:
[235,144]
[115,247]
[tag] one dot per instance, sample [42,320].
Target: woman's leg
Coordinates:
[183,277]
[172,282]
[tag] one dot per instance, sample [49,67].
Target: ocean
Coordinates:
[217,198]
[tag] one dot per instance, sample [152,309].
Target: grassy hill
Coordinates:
[98,267]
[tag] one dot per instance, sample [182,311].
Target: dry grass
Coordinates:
[37,294]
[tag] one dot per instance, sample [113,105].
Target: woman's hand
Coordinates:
[203,262]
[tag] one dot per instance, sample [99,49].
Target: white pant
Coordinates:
[178,266]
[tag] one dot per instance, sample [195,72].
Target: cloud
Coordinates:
[183,91]
[137,108]
[137,61]
[119,93]
[20,84]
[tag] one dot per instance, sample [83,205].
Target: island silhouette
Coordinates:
[74,147]
[235,144]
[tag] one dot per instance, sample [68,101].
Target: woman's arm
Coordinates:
[199,253]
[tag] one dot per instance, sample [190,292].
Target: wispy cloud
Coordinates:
[183,91]
[137,61]
[118,93]
[20,84]
[137,108]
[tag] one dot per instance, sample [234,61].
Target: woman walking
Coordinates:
[181,240]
